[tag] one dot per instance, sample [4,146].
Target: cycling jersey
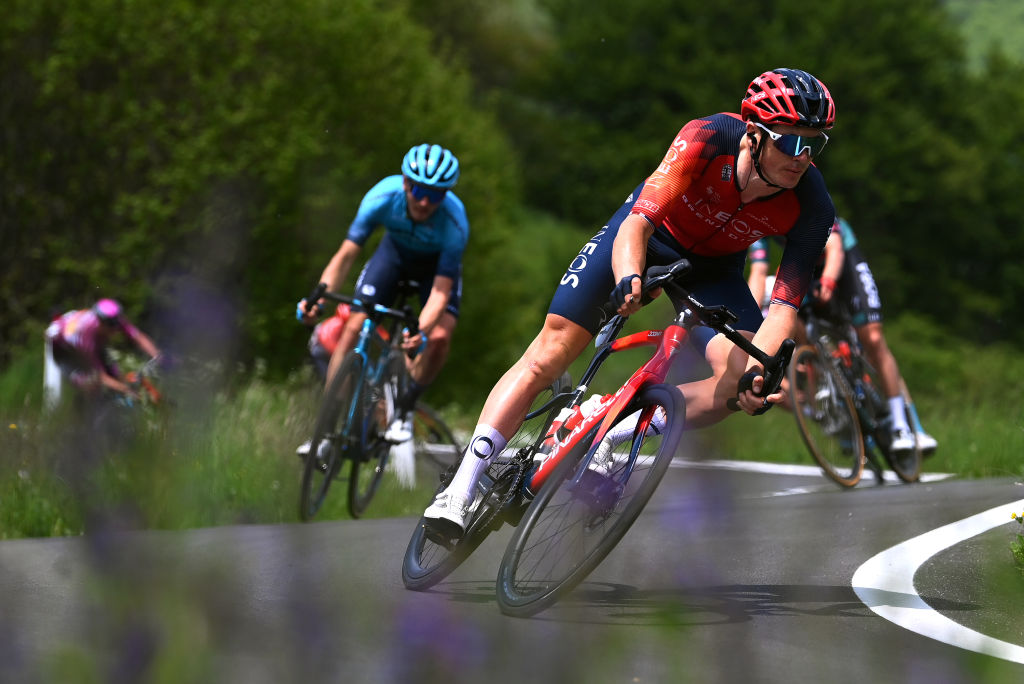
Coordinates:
[443,235]
[78,345]
[693,200]
[694,195]
[855,286]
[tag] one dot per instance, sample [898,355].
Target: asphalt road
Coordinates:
[728,576]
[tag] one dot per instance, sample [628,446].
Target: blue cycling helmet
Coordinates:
[431,165]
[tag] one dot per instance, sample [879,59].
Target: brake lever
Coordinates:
[774,372]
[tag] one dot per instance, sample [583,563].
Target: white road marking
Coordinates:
[885,584]
[824,485]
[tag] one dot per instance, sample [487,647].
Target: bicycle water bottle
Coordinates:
[567,420]
[844,353]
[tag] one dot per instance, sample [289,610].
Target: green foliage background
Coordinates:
[201,160]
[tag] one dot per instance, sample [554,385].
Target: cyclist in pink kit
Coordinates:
[76,350]
[726,180]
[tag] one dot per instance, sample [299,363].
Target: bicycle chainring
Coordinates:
[507,484]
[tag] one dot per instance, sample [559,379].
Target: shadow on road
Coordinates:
[614,603]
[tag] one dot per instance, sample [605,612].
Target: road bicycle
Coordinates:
[840,409]
[570,499]
[117,418]
[358,405]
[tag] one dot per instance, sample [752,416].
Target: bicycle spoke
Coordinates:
[574,522]
[826,416]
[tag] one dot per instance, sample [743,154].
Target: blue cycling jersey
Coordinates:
[846,232]
[445,233]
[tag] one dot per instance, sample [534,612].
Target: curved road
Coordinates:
[729,575]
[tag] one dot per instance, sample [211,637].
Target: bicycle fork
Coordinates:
[668,343]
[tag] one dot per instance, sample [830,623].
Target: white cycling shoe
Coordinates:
[903,440]
[399,431]
[323,452]
[606,460]
[927,443]
[448,514]
[302,451]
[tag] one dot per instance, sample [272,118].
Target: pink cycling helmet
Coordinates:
[108,311]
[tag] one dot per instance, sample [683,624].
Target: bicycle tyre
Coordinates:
[906,465]
[826,416]
[369,458]
[320,469]
[428,562]
[434,442]
[574,523]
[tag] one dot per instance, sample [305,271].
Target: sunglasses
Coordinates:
[432,194]
[795,145]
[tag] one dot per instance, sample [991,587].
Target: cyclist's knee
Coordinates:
[871,336]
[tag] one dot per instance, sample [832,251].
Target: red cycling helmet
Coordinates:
[790,97]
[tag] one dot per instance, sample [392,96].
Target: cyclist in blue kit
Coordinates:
[426,235]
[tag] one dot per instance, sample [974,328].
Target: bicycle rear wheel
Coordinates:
[428,561]
[330,442]
[373,415]
[580,514]
[906,464]
[826,416]
[434,443]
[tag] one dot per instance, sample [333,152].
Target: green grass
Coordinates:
[1017,545]
[215,458]
[226,456]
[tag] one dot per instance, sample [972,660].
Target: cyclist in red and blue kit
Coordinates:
[725,181]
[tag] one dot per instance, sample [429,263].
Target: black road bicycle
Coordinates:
[358,405]
[839,405]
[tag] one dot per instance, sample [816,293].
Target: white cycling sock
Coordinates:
[52,380]
[898,411]
[483,447]
[624,430]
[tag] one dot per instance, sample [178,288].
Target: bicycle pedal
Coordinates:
[442,532]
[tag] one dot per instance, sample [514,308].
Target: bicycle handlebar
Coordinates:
[721,319]
[405,315]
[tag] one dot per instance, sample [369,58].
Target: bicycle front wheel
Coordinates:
[586,506]
[374,412]
[331,438]
[428,561]
[826,416]
[906,464]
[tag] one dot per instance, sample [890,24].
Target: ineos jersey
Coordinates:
[694,195]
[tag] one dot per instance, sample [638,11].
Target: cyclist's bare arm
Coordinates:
[629,255]
[433,309]
[777,326]
[146,344]
[335,272]
[112,383]
[833,268]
